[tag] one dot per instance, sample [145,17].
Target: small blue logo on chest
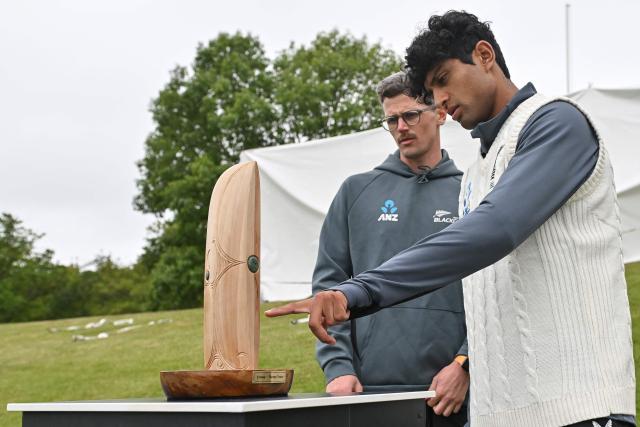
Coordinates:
[389,211]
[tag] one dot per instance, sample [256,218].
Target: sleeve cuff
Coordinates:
[337,368]
[464,349]
[356,296]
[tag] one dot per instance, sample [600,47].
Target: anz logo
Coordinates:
[389,211]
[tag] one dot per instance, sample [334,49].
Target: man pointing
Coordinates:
[538,246]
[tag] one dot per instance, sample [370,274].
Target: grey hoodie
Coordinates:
[374,216]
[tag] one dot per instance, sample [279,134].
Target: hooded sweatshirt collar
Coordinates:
[445,168]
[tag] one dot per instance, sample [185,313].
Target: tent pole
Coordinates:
[568,58]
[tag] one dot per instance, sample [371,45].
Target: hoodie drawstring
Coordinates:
[424,175]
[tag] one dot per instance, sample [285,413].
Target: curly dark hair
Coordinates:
[452,35]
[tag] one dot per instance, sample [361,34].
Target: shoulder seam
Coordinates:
[355,200]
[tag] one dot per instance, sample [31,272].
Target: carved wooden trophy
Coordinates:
[231,298]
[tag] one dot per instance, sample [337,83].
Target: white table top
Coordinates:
[227,405]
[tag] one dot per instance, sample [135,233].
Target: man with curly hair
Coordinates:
[538,246]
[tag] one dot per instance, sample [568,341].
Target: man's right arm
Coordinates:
[333,266]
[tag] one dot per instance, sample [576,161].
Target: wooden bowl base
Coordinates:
[216,384]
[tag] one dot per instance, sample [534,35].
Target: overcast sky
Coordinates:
[77,77]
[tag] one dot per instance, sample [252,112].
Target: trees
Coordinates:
[28,279]
[231,98]
[204,117]
[16,247]
[234,98]
[34,287]
[327,89]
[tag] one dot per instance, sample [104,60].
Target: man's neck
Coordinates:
[504,92]
[430,160]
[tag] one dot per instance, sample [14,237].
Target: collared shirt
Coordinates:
[487,131]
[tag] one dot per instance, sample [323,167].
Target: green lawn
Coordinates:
[633,283]
[37,365]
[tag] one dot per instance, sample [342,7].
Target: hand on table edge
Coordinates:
[344,384]
[451,385]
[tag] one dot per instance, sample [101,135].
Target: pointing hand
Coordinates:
[325,309]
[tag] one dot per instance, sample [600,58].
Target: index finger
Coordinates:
[318,327]
[303,306]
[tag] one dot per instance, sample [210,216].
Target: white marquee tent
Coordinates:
[299,181]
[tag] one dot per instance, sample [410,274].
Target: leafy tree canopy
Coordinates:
[34,287]
[234,98]
[328,88]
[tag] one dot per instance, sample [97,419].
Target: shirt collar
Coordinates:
[488,131]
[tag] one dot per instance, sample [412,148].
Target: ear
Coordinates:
[484,55]
[441,115]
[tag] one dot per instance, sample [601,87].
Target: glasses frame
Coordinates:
[385,122]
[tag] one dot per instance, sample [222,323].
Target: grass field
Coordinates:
[37,365]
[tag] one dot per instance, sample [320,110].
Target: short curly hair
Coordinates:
[453,35]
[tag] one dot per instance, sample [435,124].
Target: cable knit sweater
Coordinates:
[549,325]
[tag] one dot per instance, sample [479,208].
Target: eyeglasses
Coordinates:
[411,117]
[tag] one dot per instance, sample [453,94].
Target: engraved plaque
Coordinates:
[269,377]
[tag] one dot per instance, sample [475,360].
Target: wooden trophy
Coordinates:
[231,299]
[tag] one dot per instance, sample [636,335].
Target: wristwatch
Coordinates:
[463,361]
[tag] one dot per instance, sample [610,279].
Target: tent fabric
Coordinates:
[616,113]
[298,182]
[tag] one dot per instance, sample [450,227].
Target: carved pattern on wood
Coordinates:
[222,263]
[216,360]
[219,363]
[219,264]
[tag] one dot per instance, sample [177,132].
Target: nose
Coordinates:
[402,125]
[440,97]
